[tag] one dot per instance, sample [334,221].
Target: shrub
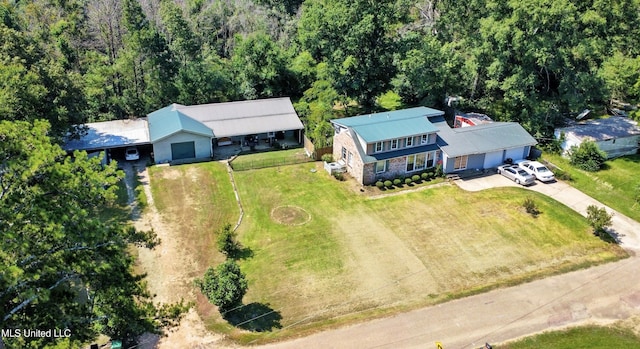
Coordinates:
[599,219]
[388,183]
[431,175]
[327,158]
[379,184]
[415,178]
[397,181]
[587,156]
[425,176]
[224,286]
[226,241]
[439,172]
[531,207]
[561,175]
[408,181]
[339,176]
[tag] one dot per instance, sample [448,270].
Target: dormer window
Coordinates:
[394,144]
[408,142]
[378,147]
[425,139]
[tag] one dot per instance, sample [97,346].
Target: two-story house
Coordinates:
[403,142]
[386,145]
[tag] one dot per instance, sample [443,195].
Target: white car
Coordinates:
[131,154]
[516,174]
[538,170]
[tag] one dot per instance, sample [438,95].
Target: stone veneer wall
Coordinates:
[344,139]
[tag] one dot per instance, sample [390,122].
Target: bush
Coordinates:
[388,184]
[339,176]
[226,241]
[425,176]
[379,184]
[561,175]
[439,172]
[587,156]
[327,158]
[224,286]
[397,181]
[531,207]
[431,175]
[599,219]
[408,181]
[415,178]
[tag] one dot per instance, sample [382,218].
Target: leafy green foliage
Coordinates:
[587,156]
[63,267]
[227,242]
[224,285]
[531,207]
[599,219]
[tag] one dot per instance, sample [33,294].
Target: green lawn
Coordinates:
[615,185]
[588,337]
[358,258]
[269,158]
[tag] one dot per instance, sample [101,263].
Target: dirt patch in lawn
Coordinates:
[290,215]
[169,268]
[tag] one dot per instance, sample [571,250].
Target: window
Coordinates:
[408,142]
[344,153]
[411,159]
[420,161]
[378,147]
[432,138]
[381,166]
[430,156]
[350,159]
[425,139]
[460,162]
[394,144]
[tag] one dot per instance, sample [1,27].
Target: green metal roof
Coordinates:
[483,138]
[394,124]
[168,121]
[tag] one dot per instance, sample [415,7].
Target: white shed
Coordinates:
[616,136]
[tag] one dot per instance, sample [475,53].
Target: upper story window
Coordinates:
[378,147]
[394,144]
[408,142]
[425,139]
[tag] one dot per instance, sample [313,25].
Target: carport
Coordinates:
[111,137]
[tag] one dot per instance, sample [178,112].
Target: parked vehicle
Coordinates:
[131,154]
[516,174]
[538,170]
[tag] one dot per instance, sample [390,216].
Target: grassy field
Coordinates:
[270,158]
[616,185]
[350,258]
[588,337]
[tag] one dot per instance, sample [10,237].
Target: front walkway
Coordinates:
[623,228]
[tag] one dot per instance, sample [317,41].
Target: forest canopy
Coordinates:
[533,61]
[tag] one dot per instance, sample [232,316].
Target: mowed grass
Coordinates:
[358,258]
[197,200]
[615,186]
[587,337]
[270,158]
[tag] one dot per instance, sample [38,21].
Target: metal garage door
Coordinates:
[493,159]
[184,150]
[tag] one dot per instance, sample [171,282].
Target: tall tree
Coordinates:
[357,40]
[63,267]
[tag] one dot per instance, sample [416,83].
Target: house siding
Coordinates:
[344,139]
[162,148]
[619,146]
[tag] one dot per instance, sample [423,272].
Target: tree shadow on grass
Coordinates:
[241,253]
[255,317]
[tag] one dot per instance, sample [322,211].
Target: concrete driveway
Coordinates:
[623,228]
[601,295]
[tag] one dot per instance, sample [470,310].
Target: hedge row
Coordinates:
[398,182]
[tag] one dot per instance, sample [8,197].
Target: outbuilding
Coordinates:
[616,135]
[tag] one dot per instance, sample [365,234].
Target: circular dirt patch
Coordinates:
[290,215]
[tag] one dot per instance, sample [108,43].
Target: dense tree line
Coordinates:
[532,61]
[75,61]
